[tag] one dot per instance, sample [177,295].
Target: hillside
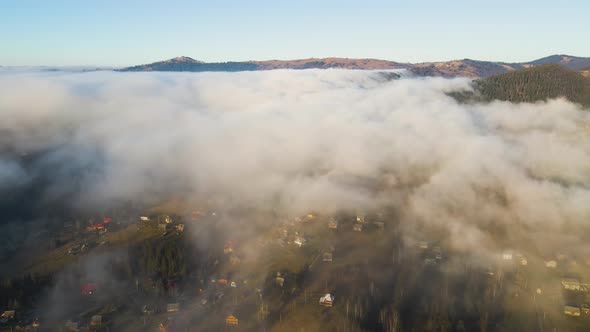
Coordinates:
[537,83]
[464,68]
[189,64]
[455,68]
[571,62]
[324,63]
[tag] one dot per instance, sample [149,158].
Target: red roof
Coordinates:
[107,220]
[89,288]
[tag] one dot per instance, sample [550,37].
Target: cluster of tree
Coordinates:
[536,84]
[20,292]
[165,257]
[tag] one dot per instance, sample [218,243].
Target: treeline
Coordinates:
[536,84]
[165,257]
[21,292]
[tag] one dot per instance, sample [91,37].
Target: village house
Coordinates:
[7,316]
[326,300]
[299,241]
[333,224]
[196,215]
[166,325]
[379,225]
[360,219]
[231,321]
[89,288]
[172,307]
[437,251]
[572,284]
[228,248]
[571,311]
[429,261]
[551,263]
[144,218]
[95,227]
[180,228]
[71,326]
[96,321]
[310,217]
[234,260]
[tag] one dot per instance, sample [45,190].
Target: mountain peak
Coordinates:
[184,59]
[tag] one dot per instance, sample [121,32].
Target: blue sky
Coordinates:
[118,33]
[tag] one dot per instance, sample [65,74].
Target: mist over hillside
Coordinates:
[487,176]
[297,140]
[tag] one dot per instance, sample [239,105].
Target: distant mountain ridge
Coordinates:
[455,68]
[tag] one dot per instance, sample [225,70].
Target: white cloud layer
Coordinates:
[302,140]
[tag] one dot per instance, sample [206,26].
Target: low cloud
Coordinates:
[295,141]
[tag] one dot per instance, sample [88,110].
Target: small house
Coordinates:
[551,264]
[144,218]
[196,215]
[379,225]
[333,224]
[75,249]
[167,220]
[310,217]
[231,320]
[89,288]
[234,260]
[360,219]
[7,316]
[437,251]
[172,307]
[429,261]
[299,241]
[95,227]
[327,300]
[166,325]
[71,326]
[357,227]
[327,257]
[571,311]
[228,248]
[180,227]
[96,320]
[572,284]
